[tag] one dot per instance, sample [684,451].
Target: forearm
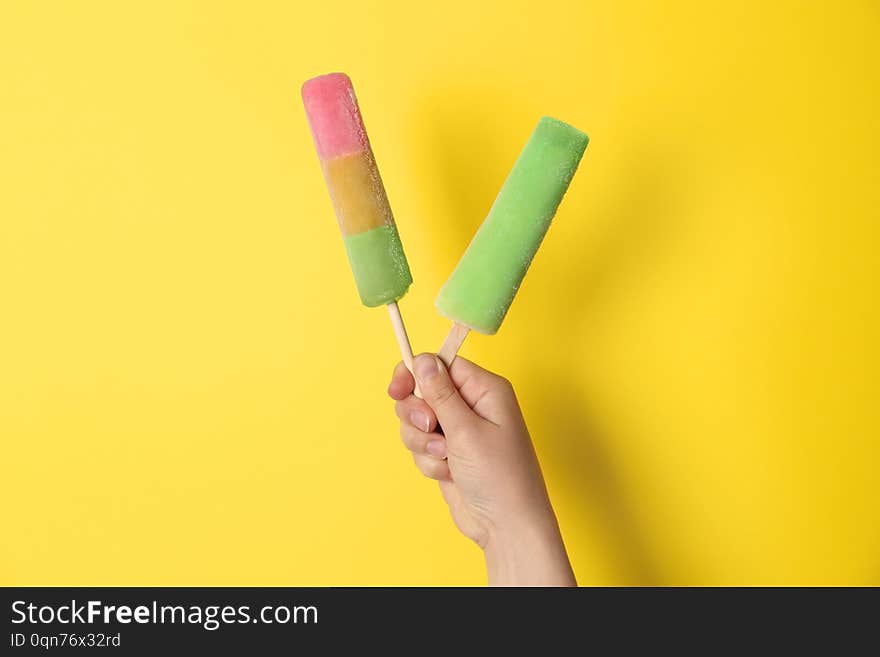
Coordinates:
[530,555]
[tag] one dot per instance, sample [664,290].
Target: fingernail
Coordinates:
[419,420]
[425,367]
[436,448]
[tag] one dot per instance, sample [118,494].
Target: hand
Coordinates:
[486,467]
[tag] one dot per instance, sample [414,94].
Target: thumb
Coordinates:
[440,393]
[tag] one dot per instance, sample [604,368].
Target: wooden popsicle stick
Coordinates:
[452,343]
[403,341]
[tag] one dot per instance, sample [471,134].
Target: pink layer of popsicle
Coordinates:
[334,117]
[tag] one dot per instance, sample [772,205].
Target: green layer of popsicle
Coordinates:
[482,287]
[379,265]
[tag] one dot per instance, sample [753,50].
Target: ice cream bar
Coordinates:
[479,292]
[368,230]
[362,210]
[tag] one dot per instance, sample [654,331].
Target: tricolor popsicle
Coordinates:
[362,210]
[479,292]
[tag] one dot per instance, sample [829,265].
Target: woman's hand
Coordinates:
[486,466]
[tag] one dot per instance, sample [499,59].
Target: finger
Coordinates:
[418,442]
[416,412]
[402,382]
[441,394]
[474,382]
[432,468]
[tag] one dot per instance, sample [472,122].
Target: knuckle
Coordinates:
[431,468]
[436,470]
[503,384]
[402,409]
[411,438]
[441,393]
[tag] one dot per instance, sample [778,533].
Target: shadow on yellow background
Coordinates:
[190,392]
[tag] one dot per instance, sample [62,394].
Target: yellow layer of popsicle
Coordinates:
[357,193]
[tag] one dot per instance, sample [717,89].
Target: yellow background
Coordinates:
[190,392]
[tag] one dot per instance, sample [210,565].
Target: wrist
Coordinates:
[531,553]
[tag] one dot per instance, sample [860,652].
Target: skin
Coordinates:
[485,465]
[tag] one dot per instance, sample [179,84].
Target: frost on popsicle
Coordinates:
[482,286]
[374,249]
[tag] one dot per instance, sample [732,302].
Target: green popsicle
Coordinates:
[479,292]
